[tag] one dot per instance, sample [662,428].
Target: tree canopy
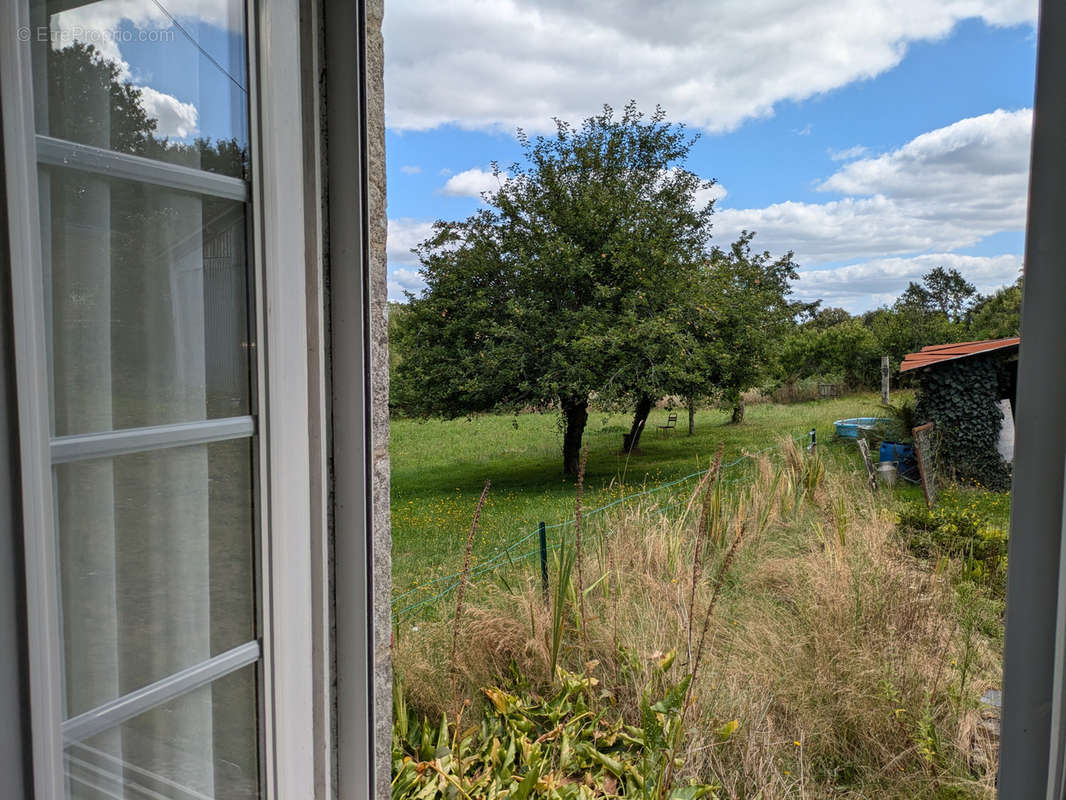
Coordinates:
[89,103]
[941,308]
[747,309]
[572,280]
[589,274]
[997,315]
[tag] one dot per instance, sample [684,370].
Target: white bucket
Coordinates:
[887,472]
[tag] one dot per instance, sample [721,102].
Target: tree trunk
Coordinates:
[691,416]
[640,417]
[576,414]
[738,412]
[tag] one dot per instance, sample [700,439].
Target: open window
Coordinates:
[171,369]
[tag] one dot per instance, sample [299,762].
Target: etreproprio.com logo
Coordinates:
[66,36]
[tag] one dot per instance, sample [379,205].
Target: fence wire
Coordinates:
[404,608]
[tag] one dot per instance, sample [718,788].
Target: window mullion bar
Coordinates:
[65,449]
[72,155]
[131,705]
[38,533]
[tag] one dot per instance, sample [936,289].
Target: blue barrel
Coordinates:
[902,454]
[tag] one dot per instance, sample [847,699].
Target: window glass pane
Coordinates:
[149,301]
[161,80]
[156,565]
[201,745]
[147,291]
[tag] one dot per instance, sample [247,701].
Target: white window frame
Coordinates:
[298,714]
[292,744]
[42,600]
[1033,734]
[362,749]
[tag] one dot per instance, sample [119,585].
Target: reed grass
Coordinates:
[824,659]
[457,707]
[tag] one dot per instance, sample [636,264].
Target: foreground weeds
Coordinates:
[774,640]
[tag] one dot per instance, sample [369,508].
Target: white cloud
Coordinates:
[703,196]
[943,190]
[714,65]
[848,153]
[410,169]
[472,183]
[100,20]
[859,287]
[173,117]
[904,211]
[403,235]
[402,280]
[100,23]
[991,151]
[845,229]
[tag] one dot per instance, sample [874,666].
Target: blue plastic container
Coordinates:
[903,455]
[894,451]
[850,428]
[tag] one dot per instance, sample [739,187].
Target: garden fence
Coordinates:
[407,604]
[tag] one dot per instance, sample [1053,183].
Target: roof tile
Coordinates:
[935,353]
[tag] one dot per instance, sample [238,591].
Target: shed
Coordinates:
[968,389]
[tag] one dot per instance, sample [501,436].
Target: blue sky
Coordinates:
[902,150]
[874,138]
[187,93]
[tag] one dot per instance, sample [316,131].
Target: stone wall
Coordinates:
[379,367]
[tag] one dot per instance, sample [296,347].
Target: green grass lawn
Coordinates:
[439,469]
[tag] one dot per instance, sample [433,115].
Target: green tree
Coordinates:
[828,317]
[394,313]
[89,104]
[903,329]
[847,348]
[749,315]
[925,313]
[717,339]
[949,293]
[997,315]
[914,298]
[566,283]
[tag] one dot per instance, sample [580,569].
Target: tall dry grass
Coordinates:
[834,651]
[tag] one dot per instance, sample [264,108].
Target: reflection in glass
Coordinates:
[147,291]
[156,565]
[141,78]
[202,745]
[149,304]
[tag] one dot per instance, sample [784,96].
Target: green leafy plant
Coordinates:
[960,533]
[559,747]
[662,722]
[903,418]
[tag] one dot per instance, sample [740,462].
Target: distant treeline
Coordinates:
[829,345]
[834,346]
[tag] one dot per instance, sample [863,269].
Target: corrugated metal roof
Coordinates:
[935,353]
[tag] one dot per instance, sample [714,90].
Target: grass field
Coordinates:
[845,651]
[439,469]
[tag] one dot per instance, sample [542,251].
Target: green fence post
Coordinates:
[544,562]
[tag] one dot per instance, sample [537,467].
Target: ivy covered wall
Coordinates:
[962,399]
